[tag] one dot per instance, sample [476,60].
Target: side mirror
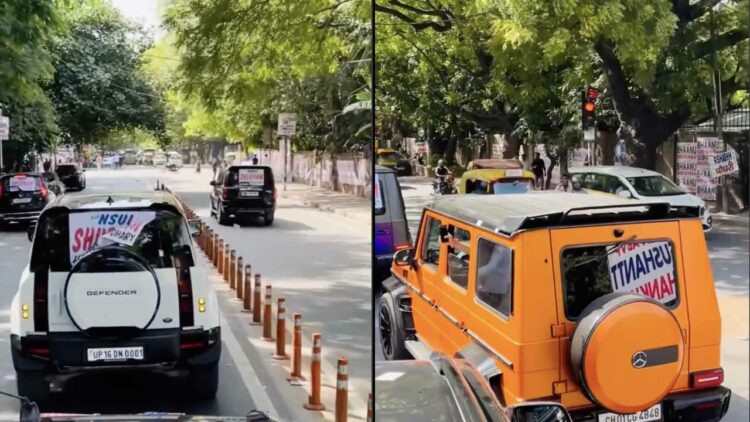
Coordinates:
[30,231]
[625,194]
[403,257]
[538,412]
[195,227]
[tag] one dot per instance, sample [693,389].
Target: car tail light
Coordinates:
[39,351]
[224,193]
[19,175]
[707,379]
[708,405]
[185,292]
[43,191]
[1,189]
[191,345]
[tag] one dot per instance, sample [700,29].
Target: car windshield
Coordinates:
[654,186]
[63,237]
[390,156]
[516,186]
[645,268]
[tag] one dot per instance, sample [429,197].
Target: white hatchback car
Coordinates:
[174,158]
[114,283]
[638,183]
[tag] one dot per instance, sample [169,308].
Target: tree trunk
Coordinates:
[450,148]
[512,146]
[548,179]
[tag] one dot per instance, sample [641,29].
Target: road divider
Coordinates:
[240,278]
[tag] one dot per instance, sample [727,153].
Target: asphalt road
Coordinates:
[729,252]
[321,262]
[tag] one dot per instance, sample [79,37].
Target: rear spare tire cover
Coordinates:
[112,288]
[627,351]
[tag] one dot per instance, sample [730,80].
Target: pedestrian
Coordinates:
[539,170]
[255,160]
[565,185]
[46,165]
[216,166]
[198,166]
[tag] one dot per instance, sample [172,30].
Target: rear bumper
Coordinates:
[20,216]
[696,406]
[165,349]
[239,210]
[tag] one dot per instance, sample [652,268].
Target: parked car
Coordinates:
[23,196]
[72,175]
[159,160]
[449,389]
[131,157]
[585,300]
[642,184]
[147,157]
[243,192]
[391,227]
[174,158]
[114,283]
[392,159]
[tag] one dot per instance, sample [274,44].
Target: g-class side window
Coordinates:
[458,256]
[431,242]
[494,281]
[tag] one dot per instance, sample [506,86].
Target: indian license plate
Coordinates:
[653,413]
[115,353]
[22,200]
[250,193]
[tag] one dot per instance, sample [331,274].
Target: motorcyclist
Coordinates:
[441,172]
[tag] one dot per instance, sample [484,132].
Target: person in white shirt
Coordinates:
[565,185]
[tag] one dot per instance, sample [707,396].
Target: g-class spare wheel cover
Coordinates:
[112,291]
[627,350]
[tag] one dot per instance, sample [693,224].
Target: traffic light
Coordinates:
[588,107]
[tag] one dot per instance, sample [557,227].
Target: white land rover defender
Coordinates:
[113,283]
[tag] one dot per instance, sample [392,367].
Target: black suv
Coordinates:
[72,176]
[22,197]
[242,192]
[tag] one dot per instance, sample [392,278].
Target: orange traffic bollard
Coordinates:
[297,349]
[229,276]
[369,408]
[313,401]
[267,315]
[342,391]
[256,301]
[280,330]
[220,263]
[227,262]
[247,291]
[238,284]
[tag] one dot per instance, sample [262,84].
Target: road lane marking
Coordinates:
[247,373]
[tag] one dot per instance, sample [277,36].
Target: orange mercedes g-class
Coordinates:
[602,304]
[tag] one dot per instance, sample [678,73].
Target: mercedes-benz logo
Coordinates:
[639,359]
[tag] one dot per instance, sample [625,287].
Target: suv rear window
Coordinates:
[162,237]
[20,182]
[65,170]
[249,176]
[645,268]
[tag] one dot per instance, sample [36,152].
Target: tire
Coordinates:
[390,324]
[32,385]
[268,218]
[203,381]
[223,220]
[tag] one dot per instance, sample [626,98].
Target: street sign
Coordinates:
[287,124]
[4,128]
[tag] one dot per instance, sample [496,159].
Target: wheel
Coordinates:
[32,385]
[223,220]
[268,218]
[203,381]
[391,329]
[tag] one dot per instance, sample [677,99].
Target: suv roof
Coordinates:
[118,200]
[511,213]
[615,171]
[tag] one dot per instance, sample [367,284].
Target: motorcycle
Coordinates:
[444,186]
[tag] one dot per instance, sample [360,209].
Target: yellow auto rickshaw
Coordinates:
[496,181]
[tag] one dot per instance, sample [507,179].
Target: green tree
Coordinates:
[99,85]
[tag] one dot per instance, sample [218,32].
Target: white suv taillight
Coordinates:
[185,292]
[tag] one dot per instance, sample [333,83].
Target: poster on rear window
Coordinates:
[89,228]
[22,183]
[644,268]
[251,177]
[378,197]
